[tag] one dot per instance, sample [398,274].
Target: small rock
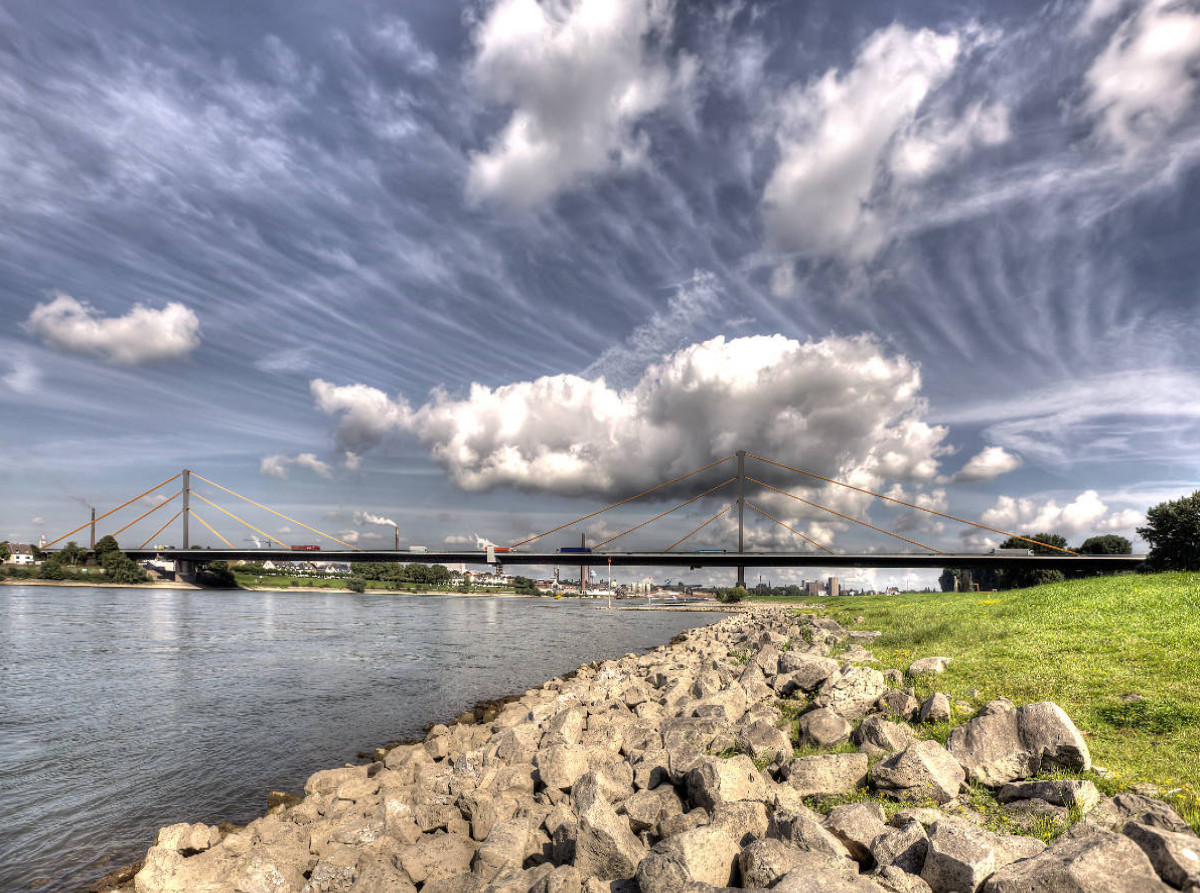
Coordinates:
[936,708]
[929,666]
[876,737]
[1066,792]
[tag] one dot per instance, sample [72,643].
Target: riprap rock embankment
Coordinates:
[675,770]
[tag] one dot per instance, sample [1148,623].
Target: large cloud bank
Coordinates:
[143,335]
[839,405]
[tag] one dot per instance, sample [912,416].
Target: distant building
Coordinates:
[20,553]
[833,587]
[813,588]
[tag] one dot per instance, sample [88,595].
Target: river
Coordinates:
[122,710]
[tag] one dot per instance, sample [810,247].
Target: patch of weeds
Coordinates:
[762,763]
[1151,717]
[1185,800]
[812,750]
[791,709]
[740,656]
[997,819]
[824,803]
[727,753]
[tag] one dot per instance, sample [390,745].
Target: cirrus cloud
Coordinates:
[279,465]
[143,335]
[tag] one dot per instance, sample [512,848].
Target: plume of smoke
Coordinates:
[361,518]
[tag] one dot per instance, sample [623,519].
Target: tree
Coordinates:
[947,580]
[73,553]
[216,574]
[730,596]
[5,552]
[356,584]
[525,586]
[104,546]
[1109,544]
[1173,532]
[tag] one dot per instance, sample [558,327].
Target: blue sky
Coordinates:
[476,269]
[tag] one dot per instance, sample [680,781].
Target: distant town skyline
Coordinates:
[470,271]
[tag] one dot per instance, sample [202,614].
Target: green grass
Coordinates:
[1087,645]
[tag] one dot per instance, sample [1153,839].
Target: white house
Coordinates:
[20,554]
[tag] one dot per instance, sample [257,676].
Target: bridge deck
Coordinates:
[1108,563]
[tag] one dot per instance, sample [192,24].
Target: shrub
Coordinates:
[356,584]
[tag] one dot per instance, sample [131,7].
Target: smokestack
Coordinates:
[397,530]
[93,528]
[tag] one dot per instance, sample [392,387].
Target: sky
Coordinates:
[477,269]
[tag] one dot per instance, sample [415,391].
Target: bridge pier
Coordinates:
[741,501]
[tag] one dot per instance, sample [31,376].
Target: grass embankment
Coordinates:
[1120,654]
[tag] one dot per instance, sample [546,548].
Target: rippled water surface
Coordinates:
[122,710]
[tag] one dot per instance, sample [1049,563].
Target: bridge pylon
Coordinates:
[741,501]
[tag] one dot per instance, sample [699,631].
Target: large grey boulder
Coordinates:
[605,847]
[187,839]
[1099,862]
[707,855]
[1114,814]
[718,781]
[762,740]
[923,770]
[961,856]
[744,820]
[817,878]
[503,851]
[824,774]
[436,856]
[876,736]
[565,727]
[1068,792]
[807,671]
[823,728]
[904,847]
[764,862]
[854,693]
[1008,745]
[646,810]
[898,704]
[1175,856]
[559,766]
[856,825]
[801,829]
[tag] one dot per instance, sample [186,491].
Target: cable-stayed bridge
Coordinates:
[810,553]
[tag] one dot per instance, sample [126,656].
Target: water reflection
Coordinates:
[125,710]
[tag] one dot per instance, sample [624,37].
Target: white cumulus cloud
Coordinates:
[1087,514]
[988,464]
[578,75]
[849,140]
[839,406]
[279,465]
[1145,79]
[143,335]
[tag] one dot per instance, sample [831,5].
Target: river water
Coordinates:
[122,710]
